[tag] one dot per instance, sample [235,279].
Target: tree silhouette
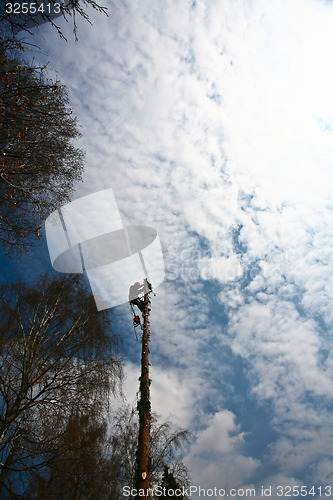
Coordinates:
[57,360]
[38,163]
[97,460]
[80,468]
[165,440]
[169,485]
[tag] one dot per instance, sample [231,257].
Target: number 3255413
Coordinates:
[32,8]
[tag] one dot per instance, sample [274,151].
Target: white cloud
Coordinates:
[278,89]
[285,369]
[216,459]
[219,436]
[221,268]
[167,385]
[273,334]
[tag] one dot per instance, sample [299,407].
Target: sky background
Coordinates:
[213,123]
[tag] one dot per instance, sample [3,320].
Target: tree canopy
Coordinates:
[58,359]
[165,442]
[98,461]
[39,165]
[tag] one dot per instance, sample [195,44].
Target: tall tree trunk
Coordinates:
[144,458]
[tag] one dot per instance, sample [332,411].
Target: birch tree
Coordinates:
[58,358]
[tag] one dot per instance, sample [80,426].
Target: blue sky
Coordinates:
[216,118]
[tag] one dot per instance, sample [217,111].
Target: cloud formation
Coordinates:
[213,122]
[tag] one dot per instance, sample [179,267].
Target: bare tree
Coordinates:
[57,360]
[80,468]
[38,163]
[94,461]
[165,441]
